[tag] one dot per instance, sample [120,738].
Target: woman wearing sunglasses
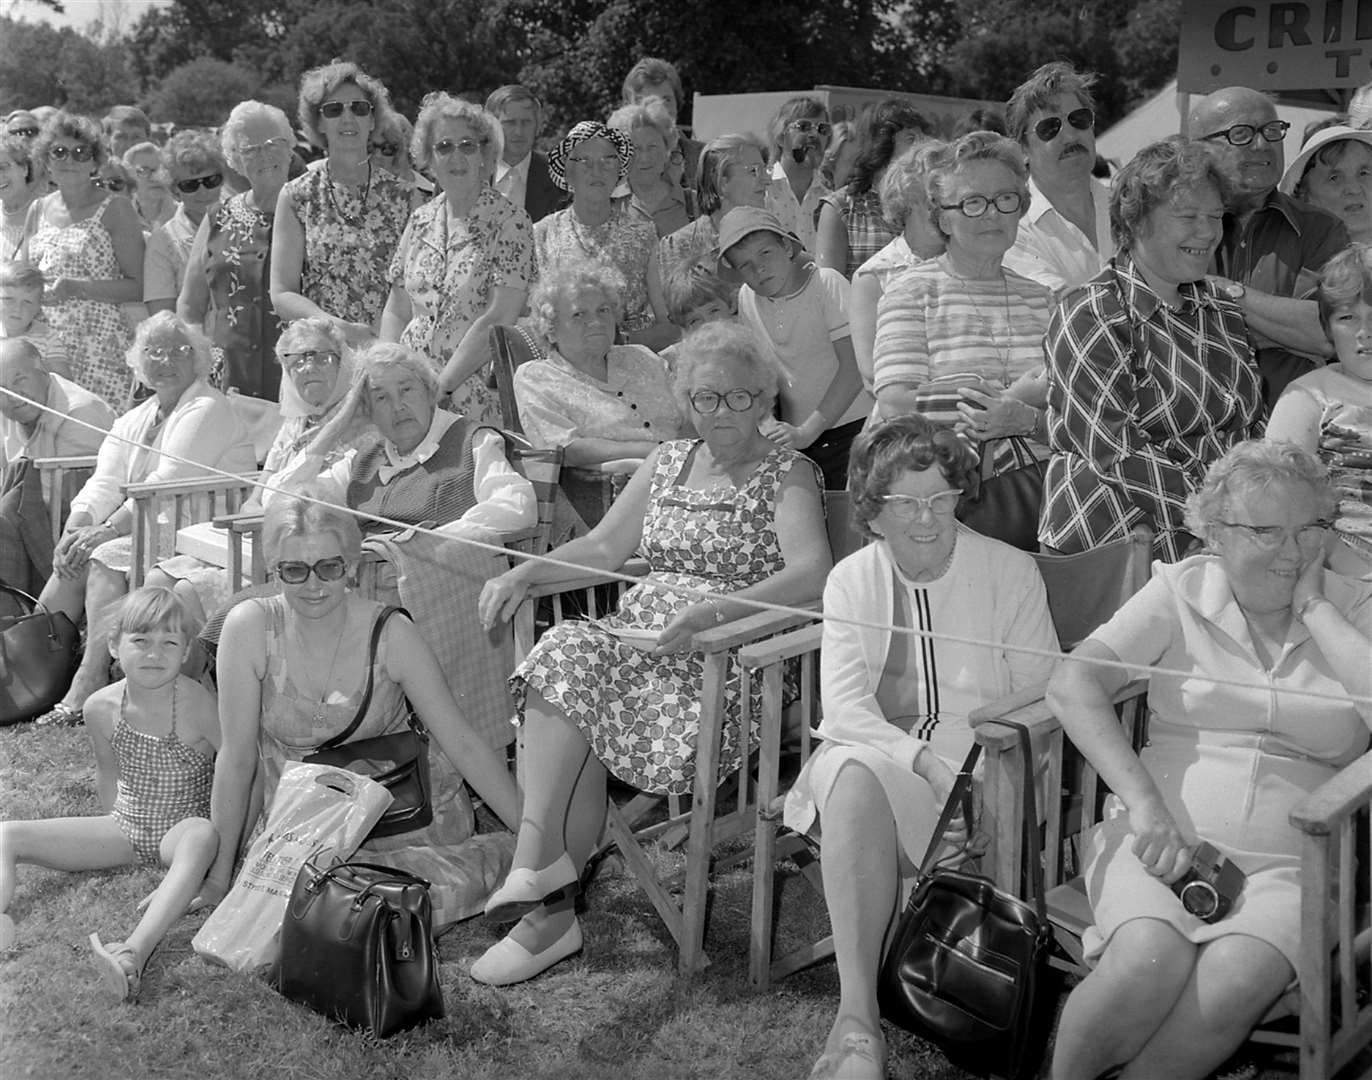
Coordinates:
[466,258]
[195,172]
[89,245]
[337,226]
[959,338]
[293,672]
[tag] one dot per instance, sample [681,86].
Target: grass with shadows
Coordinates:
[617,1010]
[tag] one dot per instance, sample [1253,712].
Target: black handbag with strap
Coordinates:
[37,658]
[968,966]
[399,761]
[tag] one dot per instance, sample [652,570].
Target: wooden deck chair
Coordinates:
[63,476]
[163,509]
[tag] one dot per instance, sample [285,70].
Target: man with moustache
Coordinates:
[521,174]
[1064,238]
[799,135]
[1273,246]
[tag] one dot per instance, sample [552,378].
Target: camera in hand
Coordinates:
[1210,885]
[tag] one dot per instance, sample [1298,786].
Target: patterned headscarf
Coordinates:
[589,129]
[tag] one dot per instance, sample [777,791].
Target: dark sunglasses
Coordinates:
[195,183]
[1082,119]
[334,109]
[294,572]
[24,132]
[111,183]
[80,153]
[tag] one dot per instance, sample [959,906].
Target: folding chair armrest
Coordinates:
[49,464]
[1026,707]
[787,646]
[1320,812]
[586,579]
[191,485]
[243,523]
[736,632]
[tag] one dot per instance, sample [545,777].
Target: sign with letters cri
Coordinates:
[1275,44]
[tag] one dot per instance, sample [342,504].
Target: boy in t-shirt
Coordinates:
[21,315]
[800,311]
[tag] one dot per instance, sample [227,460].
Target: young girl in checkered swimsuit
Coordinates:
[155,733]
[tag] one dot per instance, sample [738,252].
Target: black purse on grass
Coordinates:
[37,658]
[399,762]
[968,966]
[357,946]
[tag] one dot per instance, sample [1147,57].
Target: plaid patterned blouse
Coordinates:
[868,229]
[1141,399]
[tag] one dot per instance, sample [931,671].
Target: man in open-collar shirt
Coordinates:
[799,135]
[1064,238]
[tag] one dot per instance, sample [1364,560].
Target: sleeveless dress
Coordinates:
[461,866]
[162,781]
[95,334]
[641,713]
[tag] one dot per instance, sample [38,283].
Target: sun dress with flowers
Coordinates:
[351,234]
[625,242]
[448,266]
[96,335]
[639,712]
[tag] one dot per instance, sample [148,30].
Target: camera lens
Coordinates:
[1200,899]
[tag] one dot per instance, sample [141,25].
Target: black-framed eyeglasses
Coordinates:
[1243,134]
[195,183]
[296,572]
[317,358]
[24,132]
[332,110]
[737,400]
[913,507]
[973,206]
[1082,119]
[1272,537]
[819,127]
[115,184]
[465,147]
[81,153]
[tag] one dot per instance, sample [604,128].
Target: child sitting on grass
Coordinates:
[155,733]
[21,315]
[800,313]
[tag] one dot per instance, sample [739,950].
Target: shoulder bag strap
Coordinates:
[377,627]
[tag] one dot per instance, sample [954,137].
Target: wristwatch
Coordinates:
[1235,290]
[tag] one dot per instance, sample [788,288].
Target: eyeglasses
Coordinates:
[1007,202]
[195,183]
[1082,119]
[295,572]
[163,353]
[1243,134]
[738,400]
[604,161]
[755,171]
[111,183]
[466,147]
[257,149]
[820,127]
[332,110]
[1272,537]
[912,507]
[316,358]
[79,153]
[144,171]
[24,132]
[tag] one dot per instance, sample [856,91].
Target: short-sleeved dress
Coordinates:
[448,265]
[641,713]
[625,242]
[462,866]
[96,334]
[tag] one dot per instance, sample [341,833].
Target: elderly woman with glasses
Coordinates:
[194,167]
[959,337]
[226,279]
[1151,375]
[732,173]
[730,512]
[89,245]
[1226,762]
[182,429]
[466,259]
[338,226]
[591,162]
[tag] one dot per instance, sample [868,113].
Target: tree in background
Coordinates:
[47,65]
[194,94]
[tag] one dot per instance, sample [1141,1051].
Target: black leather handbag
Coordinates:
[37,658]
[968,966]
[399,762]
[357,946]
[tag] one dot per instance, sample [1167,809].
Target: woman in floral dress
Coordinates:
[466,258]
[730,513]
[337,226]
[90,248]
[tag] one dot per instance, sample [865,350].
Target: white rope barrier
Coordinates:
[1132,670]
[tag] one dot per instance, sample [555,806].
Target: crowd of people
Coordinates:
[990,348]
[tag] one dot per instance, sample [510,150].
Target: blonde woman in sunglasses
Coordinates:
[89,245]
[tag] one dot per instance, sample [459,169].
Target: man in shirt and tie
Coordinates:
[521,174]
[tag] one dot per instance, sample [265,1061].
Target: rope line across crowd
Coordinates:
[706,595]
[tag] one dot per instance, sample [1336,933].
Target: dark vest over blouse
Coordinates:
[438,490]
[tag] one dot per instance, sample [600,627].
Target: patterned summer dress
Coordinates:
[462,867]
[641,712]
[625,242]
[96,334]
[241,322]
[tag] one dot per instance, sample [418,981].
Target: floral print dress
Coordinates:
[640,712]
[626,242]
[351,234]
[448,266]
[96,334]
[241,321]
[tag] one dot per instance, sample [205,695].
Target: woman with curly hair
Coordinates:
[194,168]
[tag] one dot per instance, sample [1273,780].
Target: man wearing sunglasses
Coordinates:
[1064,237]
[521,174]
[799,133]
[1273,246]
